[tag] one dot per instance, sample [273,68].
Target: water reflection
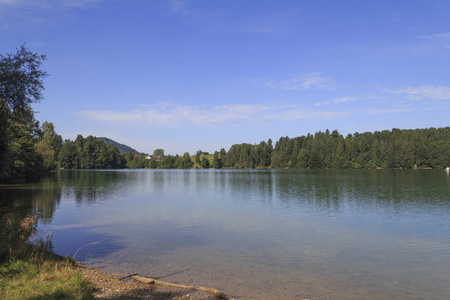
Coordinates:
[396,191]
[328,224]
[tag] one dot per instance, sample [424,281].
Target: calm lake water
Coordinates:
[255,234]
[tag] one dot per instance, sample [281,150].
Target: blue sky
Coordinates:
[189,75]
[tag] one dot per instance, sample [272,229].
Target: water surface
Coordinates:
[256,234]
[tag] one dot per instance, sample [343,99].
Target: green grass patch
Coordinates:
[32,271]
[209,157]
[32,279]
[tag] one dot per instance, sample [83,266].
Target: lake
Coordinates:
[255,234]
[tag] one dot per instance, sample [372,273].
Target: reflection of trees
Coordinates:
[389,190]
[328,190]
[21,200]
[16,202]
[87,186]
[318,188]
[47,196]
[250,185]
[394,191]
[44,195]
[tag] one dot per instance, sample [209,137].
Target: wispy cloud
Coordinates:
[49,4]
[38,13]
[437,40]
[166,114]
[424,92]
[346,99]
[307,114]
[177,6]
[301,82]
[382,111]
[169,114]
[337,100]
[437,37]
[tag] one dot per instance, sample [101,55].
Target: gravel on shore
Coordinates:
[111,286]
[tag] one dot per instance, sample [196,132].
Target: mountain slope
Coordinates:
[121,147]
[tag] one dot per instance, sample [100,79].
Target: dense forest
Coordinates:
[419,148]
[89,153]
[27,149]
[405,149]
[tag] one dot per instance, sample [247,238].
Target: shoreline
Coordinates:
[114,286]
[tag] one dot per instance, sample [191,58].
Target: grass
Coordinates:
[30,270]
[209,157]
[31,279]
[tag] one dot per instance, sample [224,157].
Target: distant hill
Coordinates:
[121,147]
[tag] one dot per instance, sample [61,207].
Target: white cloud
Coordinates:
[437,40]
[302,82]
[378,111]
[424,92]
[37,13]
[169,114]
[337,100]
[236,112]
[306,114]
[437,37]
[48,4]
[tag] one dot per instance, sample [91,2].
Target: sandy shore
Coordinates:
[112,286]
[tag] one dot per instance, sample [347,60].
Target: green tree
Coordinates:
[205,162]
[315,161]
[187,162]
[21,83]
[21,79]
[197,156]
[339,155]
[282,152]
[303,158]
[91,153]
[24,134]
[67,155]
[264,154]
[49,146]
[5,150]
[153,164]
[217,162]
[158,152]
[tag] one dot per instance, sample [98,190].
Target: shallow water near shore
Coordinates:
[255,234]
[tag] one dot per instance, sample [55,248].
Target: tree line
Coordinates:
[387,149]
[28,149]
[406,149]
